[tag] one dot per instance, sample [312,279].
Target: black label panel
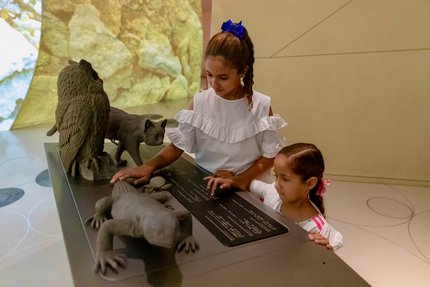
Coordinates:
[229,217]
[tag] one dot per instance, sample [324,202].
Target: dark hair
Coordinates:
[237,51]
[306,161]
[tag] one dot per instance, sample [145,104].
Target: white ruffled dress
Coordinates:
[223,134]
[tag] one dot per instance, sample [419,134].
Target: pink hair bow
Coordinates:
[323,187]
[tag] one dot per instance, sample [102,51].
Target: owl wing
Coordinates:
[74,128]
[99,123]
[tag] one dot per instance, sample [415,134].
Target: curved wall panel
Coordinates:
[145,51]
[20,34]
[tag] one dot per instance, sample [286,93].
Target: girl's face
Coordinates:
[290,186]
[224,79]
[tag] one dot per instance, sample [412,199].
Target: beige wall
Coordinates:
[353,77]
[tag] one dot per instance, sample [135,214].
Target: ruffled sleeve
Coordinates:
[183,136]
[271,140]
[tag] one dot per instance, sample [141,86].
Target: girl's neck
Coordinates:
[236,94]
[298,210]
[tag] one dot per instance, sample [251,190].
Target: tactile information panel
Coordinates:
[229,217]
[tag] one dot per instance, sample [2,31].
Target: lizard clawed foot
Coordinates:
[110,258]
[96,221]
[188,245]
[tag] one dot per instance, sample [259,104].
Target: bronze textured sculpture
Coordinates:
[156,184]
[81,118]
[142,215]
[130,130]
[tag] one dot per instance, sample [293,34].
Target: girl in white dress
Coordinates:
[229,127]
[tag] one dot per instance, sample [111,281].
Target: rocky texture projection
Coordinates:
[146,51]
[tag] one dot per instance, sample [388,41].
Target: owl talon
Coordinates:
[96,163]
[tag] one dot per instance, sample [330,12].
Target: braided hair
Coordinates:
[306,161]
[239,52]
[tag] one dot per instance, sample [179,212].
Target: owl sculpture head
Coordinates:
[82,73]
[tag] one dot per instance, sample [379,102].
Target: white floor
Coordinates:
[386,227]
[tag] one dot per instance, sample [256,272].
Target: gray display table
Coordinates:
[258,247]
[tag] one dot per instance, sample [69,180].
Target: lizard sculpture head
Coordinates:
[162,229]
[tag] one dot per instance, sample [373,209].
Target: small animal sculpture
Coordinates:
[156,184]
[130,130]
[137,214]
[81,118]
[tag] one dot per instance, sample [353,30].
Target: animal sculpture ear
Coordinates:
[148,124]
[89,69]
[164,123]
[85,64]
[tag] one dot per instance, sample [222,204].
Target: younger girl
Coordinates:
[229,127]
[298,191]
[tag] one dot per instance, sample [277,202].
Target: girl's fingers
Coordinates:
[143,179]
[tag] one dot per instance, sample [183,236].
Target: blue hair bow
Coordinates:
[235,29]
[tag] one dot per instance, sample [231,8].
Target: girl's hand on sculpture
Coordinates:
[320,240]
[141,174]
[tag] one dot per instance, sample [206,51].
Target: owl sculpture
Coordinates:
[81,118]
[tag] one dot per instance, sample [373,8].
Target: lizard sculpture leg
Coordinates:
[186,240]
[103,207]
[105,254]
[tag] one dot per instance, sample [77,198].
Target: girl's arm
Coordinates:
[142,173]
[166,156]
[243,180]
[320,240]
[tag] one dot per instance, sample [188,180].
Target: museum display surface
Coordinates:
[241,242]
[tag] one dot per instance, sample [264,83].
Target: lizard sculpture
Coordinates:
[132,213]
